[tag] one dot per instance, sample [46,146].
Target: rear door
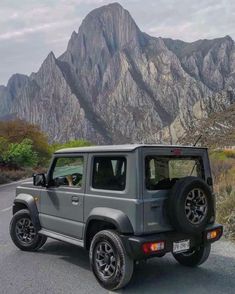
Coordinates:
[61,204]
[163,166]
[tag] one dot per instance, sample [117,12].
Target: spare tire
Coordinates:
[190,205]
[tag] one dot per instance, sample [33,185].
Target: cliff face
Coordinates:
[115,84]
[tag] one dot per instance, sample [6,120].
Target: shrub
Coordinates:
[9,175]
[220,168]
[15,131]
[21,154]
[4,145]
[3,178]
[229,153]
[229,189]
[226,215]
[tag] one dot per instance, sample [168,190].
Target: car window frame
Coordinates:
[52,167]
[107,191]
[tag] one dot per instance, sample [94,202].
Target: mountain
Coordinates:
[116,84]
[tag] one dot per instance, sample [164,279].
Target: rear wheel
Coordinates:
[23,233]
[190,205]
[194,257]
[111,265]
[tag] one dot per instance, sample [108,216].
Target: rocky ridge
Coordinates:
[116,84]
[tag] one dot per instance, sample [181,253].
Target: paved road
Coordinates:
[62,268]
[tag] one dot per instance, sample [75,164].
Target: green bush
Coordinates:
[15,131]
[229,153]
[21,154]
[218,155]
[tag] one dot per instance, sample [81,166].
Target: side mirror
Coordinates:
[39,180]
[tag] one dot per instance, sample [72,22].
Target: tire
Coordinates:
[195,257]
[40,244]
[190,205]
[23,232]
[113,257]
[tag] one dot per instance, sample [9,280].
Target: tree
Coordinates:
[15,131]
[21,154]
[4,145]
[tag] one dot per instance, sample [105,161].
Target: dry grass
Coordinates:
[226,215]
[9,175]
[223,170]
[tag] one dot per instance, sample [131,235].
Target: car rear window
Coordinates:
[161,172]
[109,173]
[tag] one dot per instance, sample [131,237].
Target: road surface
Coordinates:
[63,268]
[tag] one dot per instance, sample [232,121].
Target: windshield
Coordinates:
[161,172]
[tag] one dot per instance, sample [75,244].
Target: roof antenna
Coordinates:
[198,139]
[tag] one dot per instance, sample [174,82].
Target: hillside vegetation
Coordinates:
[215,131]
[223,169]
[24,149]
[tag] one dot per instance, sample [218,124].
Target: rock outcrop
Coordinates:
[116,84]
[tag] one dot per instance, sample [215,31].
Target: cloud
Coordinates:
[39,28]
[185,19]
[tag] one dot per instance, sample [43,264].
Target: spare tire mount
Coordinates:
[190,205]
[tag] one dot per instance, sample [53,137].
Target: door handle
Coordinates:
[155,204]
[75,200]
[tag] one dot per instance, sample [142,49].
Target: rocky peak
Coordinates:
[199,47]
[114,24]
[211,61]
[47,71]
[102,35]
[49,61]
[103,32]
[16,83]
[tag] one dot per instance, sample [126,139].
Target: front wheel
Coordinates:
[194,257]
[111,265]
[23,232]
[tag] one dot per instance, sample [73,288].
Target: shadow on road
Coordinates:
[162,275]
[67,252]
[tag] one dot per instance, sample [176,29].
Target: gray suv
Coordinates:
[122,203]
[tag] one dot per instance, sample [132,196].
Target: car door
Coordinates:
[61,203]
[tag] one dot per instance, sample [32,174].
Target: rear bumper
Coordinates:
[134,244]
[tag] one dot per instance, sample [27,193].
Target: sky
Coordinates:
[30,29]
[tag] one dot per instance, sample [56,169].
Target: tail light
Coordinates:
[152,247]
[214,234]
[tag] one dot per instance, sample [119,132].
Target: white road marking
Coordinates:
[13,183]
[6,209]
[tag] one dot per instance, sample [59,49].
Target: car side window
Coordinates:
[68,171]
[109,173]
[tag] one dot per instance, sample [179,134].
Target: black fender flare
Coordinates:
[114,216]
[29,202]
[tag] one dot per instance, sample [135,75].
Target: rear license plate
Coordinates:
[181,246]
